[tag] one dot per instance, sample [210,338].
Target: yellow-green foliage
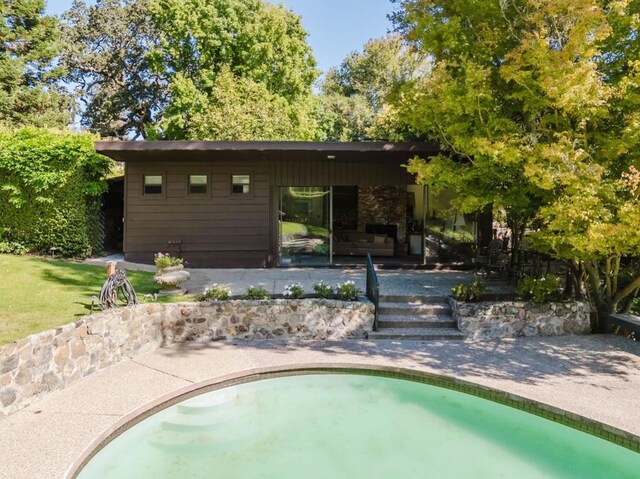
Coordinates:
[537,103]
[50,183]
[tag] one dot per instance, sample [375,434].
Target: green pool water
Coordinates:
[333,426]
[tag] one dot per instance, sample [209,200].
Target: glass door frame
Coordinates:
[280,222]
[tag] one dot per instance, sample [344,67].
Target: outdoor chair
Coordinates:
[492,259]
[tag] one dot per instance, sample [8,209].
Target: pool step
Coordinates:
[209,404]
[207,422]
[198,442]
[204,420]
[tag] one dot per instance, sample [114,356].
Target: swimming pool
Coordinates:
[353,426]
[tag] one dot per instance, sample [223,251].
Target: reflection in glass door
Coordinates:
[305,225]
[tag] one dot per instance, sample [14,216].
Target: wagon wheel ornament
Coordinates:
[109,292]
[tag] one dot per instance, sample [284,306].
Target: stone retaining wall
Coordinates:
[509,319]
[56,358]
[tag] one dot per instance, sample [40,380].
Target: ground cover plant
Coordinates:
[256,292]
[37,294]
[323,290]
[293,291]
[215,293]
[347,291]
[540,290]
[469,292]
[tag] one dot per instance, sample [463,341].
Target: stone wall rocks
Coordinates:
[509,319]
[56,358]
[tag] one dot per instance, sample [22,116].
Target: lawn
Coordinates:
[38,294]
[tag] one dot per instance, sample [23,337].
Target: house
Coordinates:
[266,204]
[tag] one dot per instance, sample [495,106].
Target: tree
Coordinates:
[107,55]
[247,59]
[353,104]
[536,103]
[29,46]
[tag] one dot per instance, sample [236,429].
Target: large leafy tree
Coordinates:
[236,69]
[106,50]
[353,104]
[194,69]
[537,103]
[29,73]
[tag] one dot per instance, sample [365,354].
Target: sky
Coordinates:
[335,27]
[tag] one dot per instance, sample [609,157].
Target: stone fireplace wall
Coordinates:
[383,205]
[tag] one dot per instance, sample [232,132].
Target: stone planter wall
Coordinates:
[56,358]
[509,319]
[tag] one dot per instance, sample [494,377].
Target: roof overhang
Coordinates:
[166,150]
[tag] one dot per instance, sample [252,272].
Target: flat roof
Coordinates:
[135,150]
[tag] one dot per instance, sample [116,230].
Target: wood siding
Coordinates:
[216,228]
[219,229]
[372,169]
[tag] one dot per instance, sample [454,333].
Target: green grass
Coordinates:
[38,294]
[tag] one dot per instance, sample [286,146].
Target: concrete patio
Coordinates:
[396,282]
[593,376]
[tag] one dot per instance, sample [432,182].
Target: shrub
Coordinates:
[347,291]
[323,290]
[215,293]
[50,187]
[165,260]
[540,290]
[256,292]
[12,247]
[294,290]
[469,292]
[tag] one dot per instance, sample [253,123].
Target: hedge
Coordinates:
[50,187]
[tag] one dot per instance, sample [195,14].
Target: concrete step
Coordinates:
[416,334]
[413,299]
[416,321]
[199,441]
[409,309]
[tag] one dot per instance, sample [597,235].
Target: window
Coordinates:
[197,184]
[152,184]
[240,184]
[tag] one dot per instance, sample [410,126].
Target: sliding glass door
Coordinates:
[305,225]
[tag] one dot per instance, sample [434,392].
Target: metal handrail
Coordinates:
[373,289]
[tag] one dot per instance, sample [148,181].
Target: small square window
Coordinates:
[197,184]
[240,184]
[152,184]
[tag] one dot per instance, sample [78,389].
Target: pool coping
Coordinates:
[590,426]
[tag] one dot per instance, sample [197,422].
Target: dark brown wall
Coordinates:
[217,229]
[345,170]
[223,230]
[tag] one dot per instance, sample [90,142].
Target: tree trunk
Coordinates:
[574,285]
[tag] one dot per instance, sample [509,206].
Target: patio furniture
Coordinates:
[492,258]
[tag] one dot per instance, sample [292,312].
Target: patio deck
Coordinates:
[593,376]
[395,282]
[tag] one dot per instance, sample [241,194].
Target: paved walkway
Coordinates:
[392,282]
[594,376]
